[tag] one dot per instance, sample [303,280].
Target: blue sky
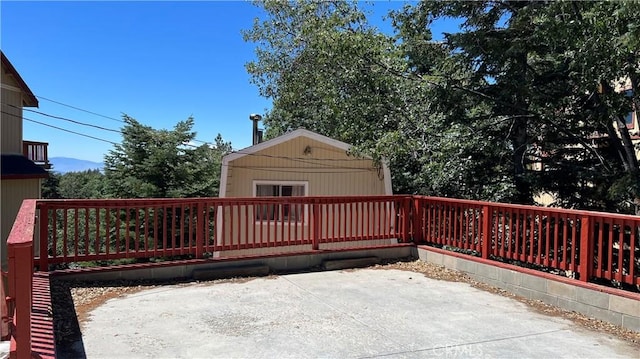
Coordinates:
[158,62]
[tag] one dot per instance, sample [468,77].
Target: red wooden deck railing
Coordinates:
[584,245]
[98,230]
[589,246]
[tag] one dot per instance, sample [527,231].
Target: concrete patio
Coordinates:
[365,313]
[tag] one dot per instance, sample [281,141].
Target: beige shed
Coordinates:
[299,163]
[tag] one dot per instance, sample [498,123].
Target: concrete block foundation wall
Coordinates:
[275,263]
[615,306]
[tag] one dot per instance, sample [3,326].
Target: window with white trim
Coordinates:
[280,212]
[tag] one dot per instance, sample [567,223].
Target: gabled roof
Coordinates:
[301,132]
[16,166]
[30,99]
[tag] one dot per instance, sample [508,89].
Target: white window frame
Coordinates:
[305,185]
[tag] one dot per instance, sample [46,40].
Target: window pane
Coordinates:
[297,191]
[265,212]
[284,212]
[266,190]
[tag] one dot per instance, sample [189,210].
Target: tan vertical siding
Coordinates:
[11,121]
[328,170]
[13,192]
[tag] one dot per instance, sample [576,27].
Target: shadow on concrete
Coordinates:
[69,342]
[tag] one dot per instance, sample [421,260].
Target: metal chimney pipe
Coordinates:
[256,136]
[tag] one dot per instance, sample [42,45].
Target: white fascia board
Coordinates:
[224,173]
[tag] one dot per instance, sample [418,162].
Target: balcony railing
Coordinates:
[586,246]
[36,152]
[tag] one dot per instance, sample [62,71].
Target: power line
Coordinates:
[302,159]
[297,159]
[80,109]
[95,114]
[324,170]
[70,120]
[73,121]
[298,167]
[65,130]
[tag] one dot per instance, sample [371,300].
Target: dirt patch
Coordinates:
[87,296]
[86,299]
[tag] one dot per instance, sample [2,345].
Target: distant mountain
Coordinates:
[66,164]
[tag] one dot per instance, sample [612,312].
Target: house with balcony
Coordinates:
[24,163]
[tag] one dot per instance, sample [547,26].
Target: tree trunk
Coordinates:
[519,140]
[519,143]
[621,140]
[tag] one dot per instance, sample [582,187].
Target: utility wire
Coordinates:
[264,169]
[70,120]
[64,129]
[298,167]
[297,159]
[299,170]
[80,109]
[73,121]
[95,114]
[194,140]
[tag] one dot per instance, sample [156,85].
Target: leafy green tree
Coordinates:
[83,184]
[522,85]
[543,73]
[323,67]
[152,163]
[51,186]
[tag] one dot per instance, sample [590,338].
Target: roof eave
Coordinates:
[29,99]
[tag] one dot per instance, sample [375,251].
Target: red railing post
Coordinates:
[487,213]
[417,229]
[20,282]
[20,254]
[315,219]
[406,219]
[200,225]
[586,249]
[43,242]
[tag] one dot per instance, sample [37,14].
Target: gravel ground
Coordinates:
[73,301]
